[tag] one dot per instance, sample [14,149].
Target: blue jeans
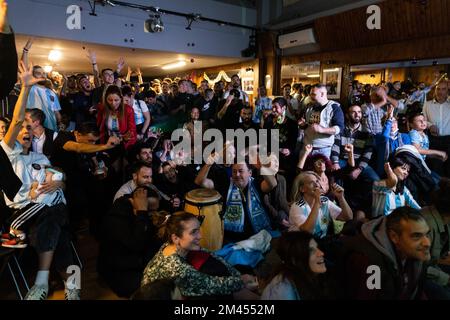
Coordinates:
[367,174]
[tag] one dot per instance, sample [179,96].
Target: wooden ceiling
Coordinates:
[400,20]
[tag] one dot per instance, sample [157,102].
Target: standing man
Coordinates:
[437,114]
[323,120]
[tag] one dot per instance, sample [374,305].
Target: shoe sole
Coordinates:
[15,246]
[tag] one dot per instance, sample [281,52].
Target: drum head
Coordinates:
[203,196]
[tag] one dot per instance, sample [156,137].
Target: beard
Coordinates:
[42,83]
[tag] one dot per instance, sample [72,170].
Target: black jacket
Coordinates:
[8,64]
[127,241]
[419,181]
[373,248]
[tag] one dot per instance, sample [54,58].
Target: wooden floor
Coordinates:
[91,287]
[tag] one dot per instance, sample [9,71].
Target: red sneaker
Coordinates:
[15,242]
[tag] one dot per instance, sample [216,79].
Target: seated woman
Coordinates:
[301,274]
[391,193]
[321,165]
[312,212]
[182,232]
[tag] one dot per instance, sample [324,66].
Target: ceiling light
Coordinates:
[331,70]
[154,24]
[313,75]
[54,55]
[48,69]
[174,65]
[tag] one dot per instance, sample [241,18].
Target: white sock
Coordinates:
[70,285]
[42,278]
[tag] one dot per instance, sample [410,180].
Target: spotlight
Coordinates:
[435,63]
[154,24]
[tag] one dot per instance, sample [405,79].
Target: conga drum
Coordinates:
[207,203]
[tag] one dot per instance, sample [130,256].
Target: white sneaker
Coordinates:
[37,293]
[72,294]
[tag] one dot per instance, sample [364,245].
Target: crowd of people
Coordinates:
[357,184]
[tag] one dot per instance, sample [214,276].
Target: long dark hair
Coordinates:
[294,252]
[398,161]
[113,89]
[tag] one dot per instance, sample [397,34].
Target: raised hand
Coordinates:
[390,111]
[28,45]
[348,148]
[120,64]
[26,75]
[138,71]
[337,190]
[3,18]
[308,148]
[140,200]
[92,56]
[391,177]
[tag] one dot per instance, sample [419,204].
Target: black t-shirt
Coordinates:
[75,165]
[288,132]
[230,120]
[80,111]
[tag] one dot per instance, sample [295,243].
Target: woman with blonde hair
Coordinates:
[312,212]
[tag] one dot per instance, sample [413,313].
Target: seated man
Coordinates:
[141,177]
[362,141]
[50,225]
[437,216]
[128,241]
[398,246]
[244,211]
[174,182]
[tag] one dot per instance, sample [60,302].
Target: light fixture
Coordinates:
[191,18]
[174,65]
[154,24]
[313,76]
[54,55]
[48,68]
[331,70]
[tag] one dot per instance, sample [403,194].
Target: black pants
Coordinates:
[443,144]
[50,232]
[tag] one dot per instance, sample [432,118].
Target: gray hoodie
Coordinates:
[376,233]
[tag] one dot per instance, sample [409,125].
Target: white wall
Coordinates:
[47,18]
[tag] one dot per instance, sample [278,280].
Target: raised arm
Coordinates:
[25,51]
[27,81]
[307,149]
[92,56]
[201,178]
[347,212]
[139,73]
